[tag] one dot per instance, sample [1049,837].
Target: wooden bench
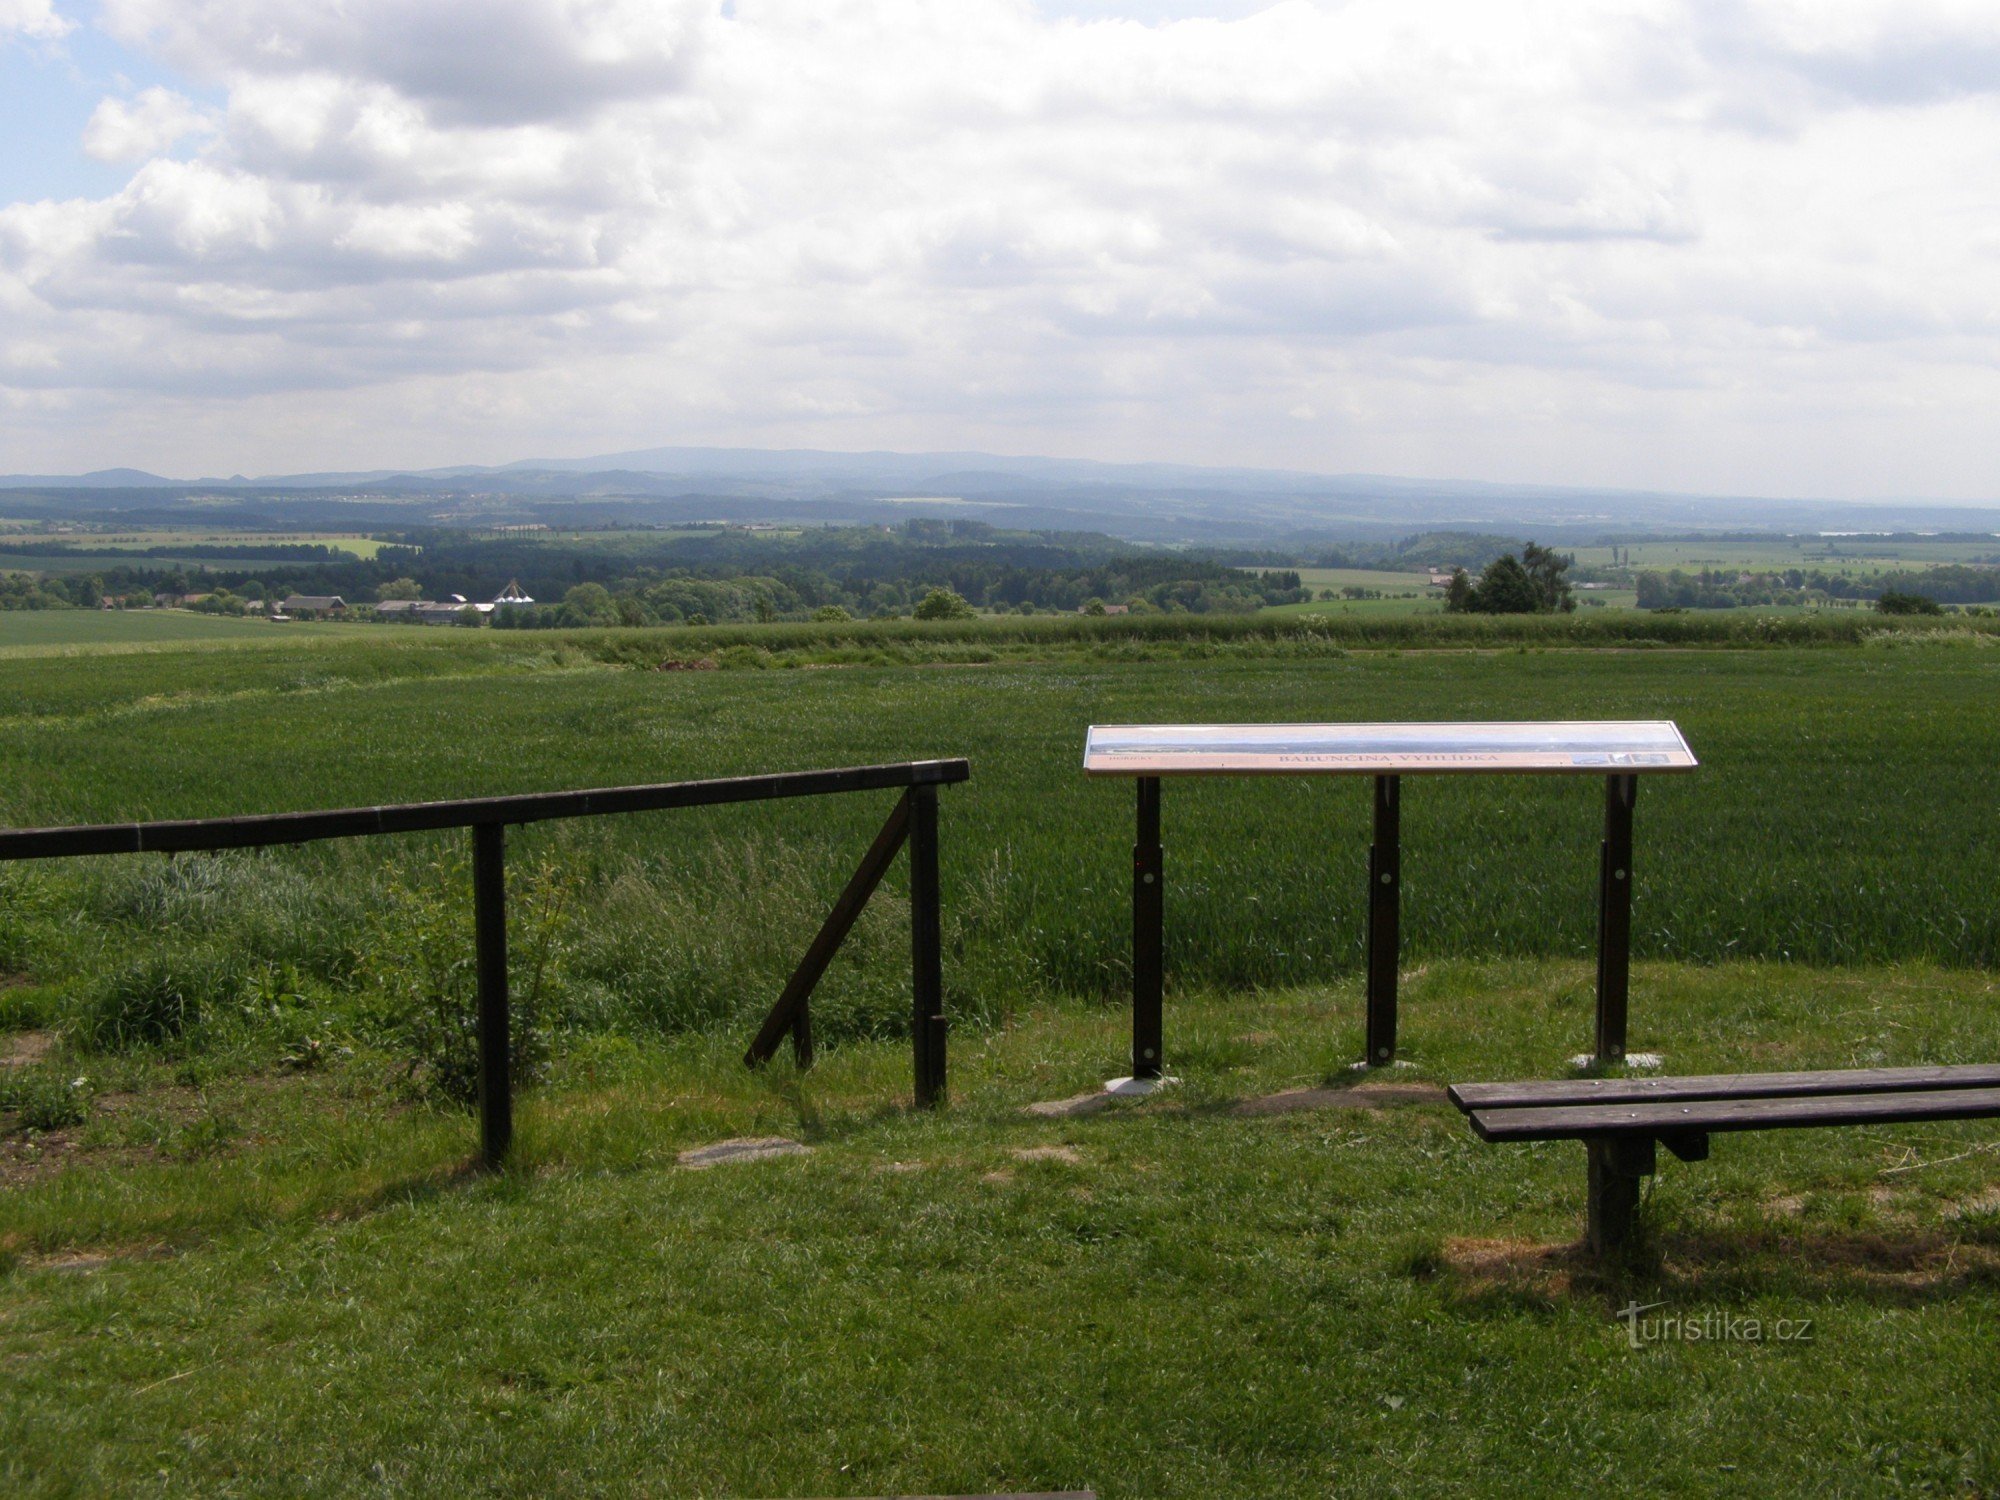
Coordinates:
[1622,1120]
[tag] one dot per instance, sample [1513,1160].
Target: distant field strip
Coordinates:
[39,632]
[138,541]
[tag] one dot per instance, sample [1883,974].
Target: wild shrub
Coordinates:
[422,974]
[162,998]
[44,1100]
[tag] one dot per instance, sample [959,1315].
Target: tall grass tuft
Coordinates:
[163,998]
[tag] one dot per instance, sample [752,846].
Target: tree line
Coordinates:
[1728,588]
[717,575]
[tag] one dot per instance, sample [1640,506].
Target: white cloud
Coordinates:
[132,129]
[32,18]
[1545,241]
[470,61]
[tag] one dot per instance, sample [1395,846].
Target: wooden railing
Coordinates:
[914,820]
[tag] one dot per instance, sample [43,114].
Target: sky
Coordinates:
[1732,246]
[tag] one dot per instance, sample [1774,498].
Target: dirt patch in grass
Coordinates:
[180,1113]
[1480,1267]
[1725,1265]
[1891,1265]
[24,1048]
[31,1158]
[1067,1154]
[82,1263]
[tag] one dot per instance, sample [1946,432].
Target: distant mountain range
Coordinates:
[1159,503]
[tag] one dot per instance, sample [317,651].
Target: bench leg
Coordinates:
[1616,1165]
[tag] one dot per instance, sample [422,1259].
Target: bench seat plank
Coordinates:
[1548,1092]
[1654,1117]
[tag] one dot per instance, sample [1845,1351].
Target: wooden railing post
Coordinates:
[489,908]
[927,1022]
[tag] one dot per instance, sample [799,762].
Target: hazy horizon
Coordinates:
[1668,246]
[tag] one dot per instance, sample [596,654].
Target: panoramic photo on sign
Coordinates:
[1167,749]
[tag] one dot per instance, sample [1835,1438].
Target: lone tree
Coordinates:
[1897,602]
[1531,584]
[943,604]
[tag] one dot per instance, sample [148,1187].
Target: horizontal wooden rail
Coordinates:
[191,835]
[915,819]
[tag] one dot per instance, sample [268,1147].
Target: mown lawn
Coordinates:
[1165,1299]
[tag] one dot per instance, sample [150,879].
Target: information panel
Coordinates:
[1592,747]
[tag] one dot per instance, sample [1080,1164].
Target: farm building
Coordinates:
[312,606]
[450,611]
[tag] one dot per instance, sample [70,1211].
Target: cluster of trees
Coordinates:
[733,574]
[89,590]
[24,591]
[858,572]
[1531,584]
[228,602]
[1896,602]
[1722,588]
[1715,589]
[683,599]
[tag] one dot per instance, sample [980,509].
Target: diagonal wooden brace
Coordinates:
[791,1013]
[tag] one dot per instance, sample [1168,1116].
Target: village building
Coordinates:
[312,606]
[452,610]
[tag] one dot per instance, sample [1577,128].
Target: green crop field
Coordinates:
[249,1258]
[1828,554]
[38,632]
[1367,578]
[1395,606]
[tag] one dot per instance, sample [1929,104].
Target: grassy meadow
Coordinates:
[246,1256]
